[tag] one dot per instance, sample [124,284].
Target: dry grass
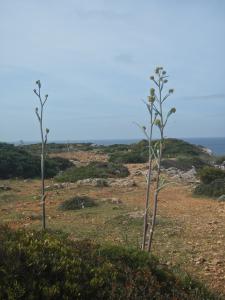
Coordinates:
[190,232]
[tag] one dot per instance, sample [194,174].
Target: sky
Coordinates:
[94,59]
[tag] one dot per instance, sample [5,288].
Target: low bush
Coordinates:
[113,148]
[220,159]
[210,174]
[213,189]
[174,147]
[138,153]
[16,162]
[57,147]
[130,157]
[184,163]
[77,202]
[44,265]
[93,170]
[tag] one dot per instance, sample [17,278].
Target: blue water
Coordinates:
[217,145]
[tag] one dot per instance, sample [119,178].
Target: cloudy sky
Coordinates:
[94,59]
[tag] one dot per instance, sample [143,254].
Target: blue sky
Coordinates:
[94,59]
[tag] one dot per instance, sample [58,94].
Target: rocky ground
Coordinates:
[190,232]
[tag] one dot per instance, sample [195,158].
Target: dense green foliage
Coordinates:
[58,147]
[212,182]
[184,163]
[42,265]
[176,147]
[129,157]
[93,170]
[209,174]
[16,162]
[213,189]
[77,202]
[220,159]
[173,148]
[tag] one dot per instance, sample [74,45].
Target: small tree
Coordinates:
[44,138]
[158,119]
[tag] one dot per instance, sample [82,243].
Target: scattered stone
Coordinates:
[216,261]
[35,216]
[179,175]
[121,182]
[27,180]
[5,188]
[136,214]
[200,260]
[214,222]
[102,182]
[95,182]
[221,198]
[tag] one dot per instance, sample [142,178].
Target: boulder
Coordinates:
[221,198]
[95,182]
[5,188]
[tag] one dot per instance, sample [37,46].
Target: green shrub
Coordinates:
[174,147]
[128,157]
[77,202]
[113,148]
[16,162]
[93,170]
[44,265]
[184,163]
[215,188]
[138,153]
[220,159]
[57,147]
[210,174]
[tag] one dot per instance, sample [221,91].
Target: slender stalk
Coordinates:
[155,203]
[147,201]
[161,123]
[43,146]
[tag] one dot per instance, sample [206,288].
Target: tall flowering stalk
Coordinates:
[158,119]
[44,137]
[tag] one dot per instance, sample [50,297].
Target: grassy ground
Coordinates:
[190,232]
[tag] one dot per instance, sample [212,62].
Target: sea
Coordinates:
[216,144]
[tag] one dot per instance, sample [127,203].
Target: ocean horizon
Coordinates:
[216,144]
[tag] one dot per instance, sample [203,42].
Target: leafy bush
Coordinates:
[184,163]
[42,265]
[138,153]
[210,174]
[174,147]
[212,182]
[215,188]
[93,170]
[220,159]
[77,202]
[113,148]
[57,147]
[128,157]
[16,162]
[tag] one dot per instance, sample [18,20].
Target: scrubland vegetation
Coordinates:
[45,265]
[17,162]
[93,170]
